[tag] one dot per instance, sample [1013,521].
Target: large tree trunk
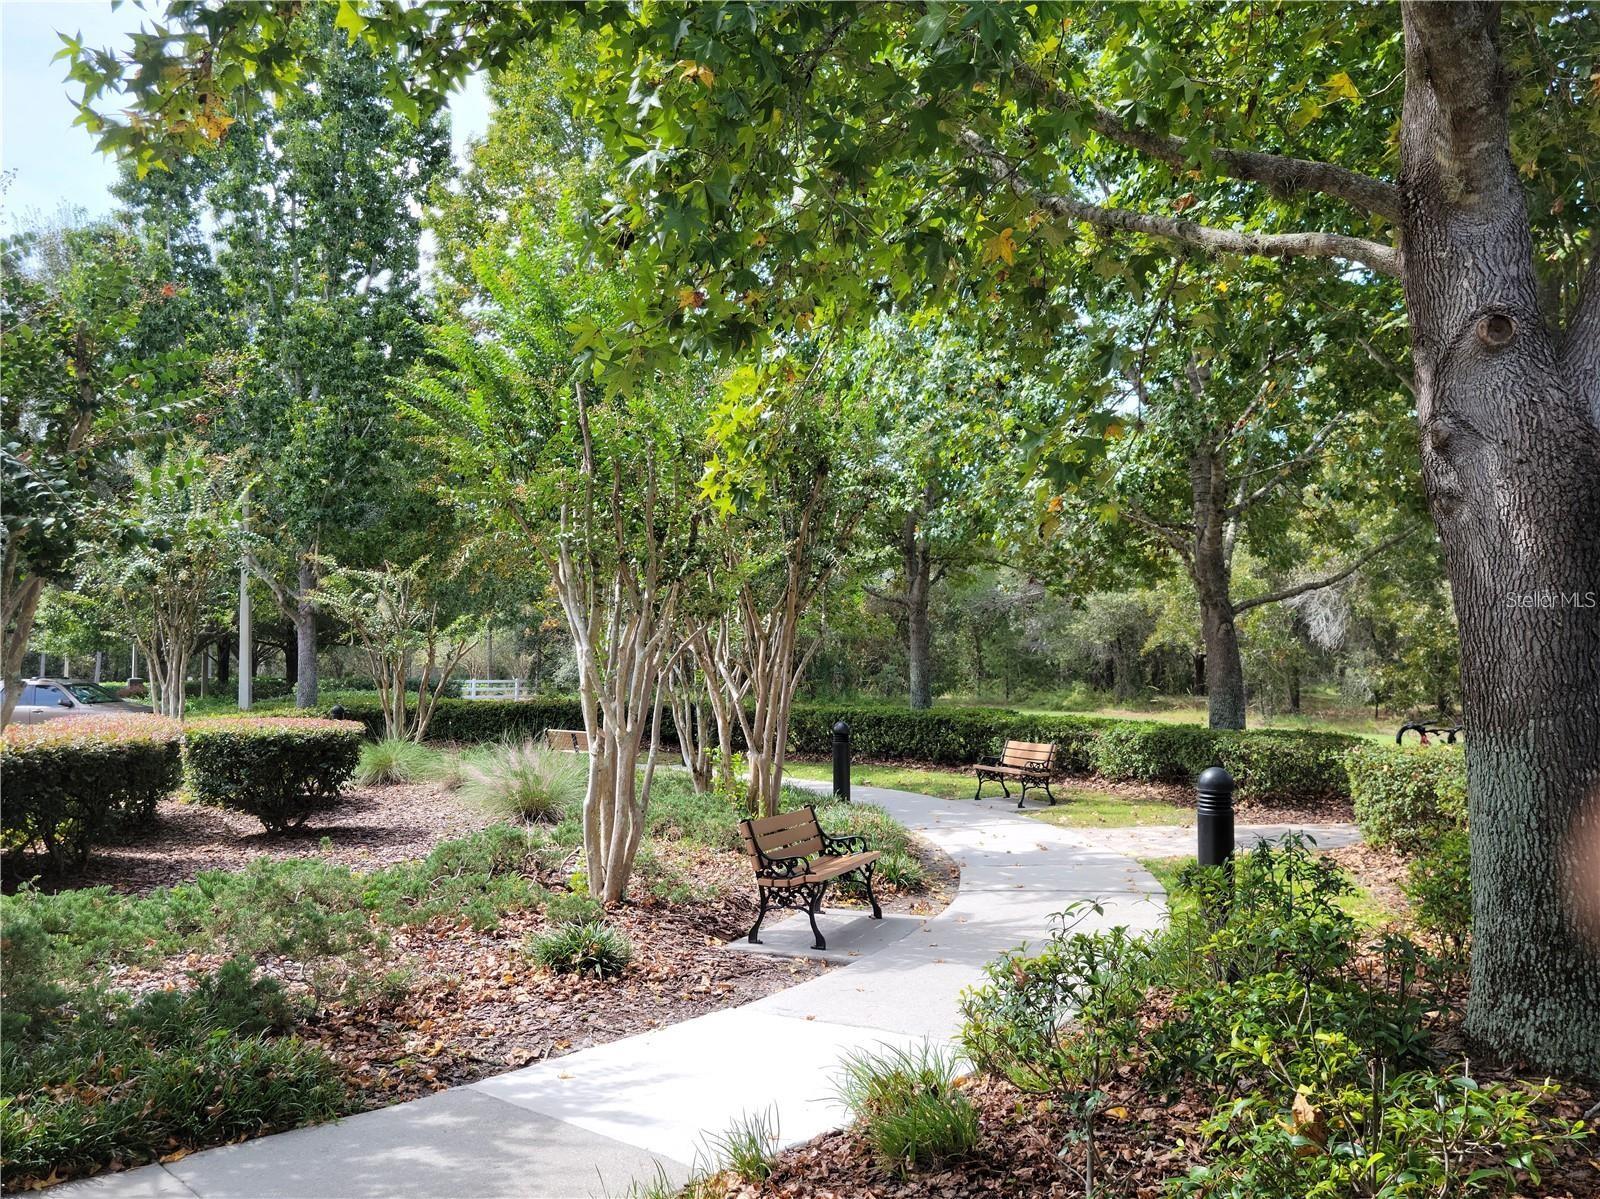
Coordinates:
[1225,694]
[1210,562]
[1509,409]
[305,635]
[919,655]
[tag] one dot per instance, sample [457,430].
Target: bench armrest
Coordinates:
[784,867]
[834,846]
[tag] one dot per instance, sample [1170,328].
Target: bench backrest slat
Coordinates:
[1028,753]
[567,740]
[787,835]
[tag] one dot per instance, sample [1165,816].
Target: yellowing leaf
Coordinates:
[1003,246]
[1342,88]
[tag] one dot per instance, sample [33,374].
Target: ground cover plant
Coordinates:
[1270,1041]
[294,988]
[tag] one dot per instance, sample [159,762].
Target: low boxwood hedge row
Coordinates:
[279,769]
[1407,799]
[70,784]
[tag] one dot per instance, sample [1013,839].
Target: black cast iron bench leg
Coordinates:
[760,916]
[812,908]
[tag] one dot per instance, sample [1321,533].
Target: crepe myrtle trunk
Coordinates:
[1509,409]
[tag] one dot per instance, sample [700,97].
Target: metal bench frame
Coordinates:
[799,879]
[1028,763]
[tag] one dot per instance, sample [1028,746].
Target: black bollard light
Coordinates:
[841,761]
[336,712]
[1214,815]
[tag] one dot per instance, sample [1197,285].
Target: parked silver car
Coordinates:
[58,699]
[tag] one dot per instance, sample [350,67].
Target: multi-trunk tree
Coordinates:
[600,488]
[1442,145]
[791,475]
[165,569]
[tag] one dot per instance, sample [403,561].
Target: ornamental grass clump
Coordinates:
[526,781]
[907,1105]
[394,760]
[591,948]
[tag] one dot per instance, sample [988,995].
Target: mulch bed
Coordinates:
[1141,1142]
[476,1004]
[370,827]
[1383,872]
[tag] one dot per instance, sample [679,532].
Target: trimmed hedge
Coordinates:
[72,783]
[1407,798]
[279,769]
[1276,764]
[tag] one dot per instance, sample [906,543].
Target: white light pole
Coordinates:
[246,665]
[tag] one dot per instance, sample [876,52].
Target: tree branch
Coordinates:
[1337,576]
[1374,255]
[1283,175]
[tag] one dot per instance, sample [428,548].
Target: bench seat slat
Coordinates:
[825,868]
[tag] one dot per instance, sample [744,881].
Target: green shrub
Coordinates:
[1406,799]
[1063,1018]
[394,760]
[526,781]
[1440,887]
[592,948]
[901,871]
[572,908]
[1419,1133]
[120,1081]
[1269,764]
[71,783]
[1286,766]
[280,770]
[1151,752]
[907,1107]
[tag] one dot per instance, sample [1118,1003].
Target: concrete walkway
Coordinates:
[1171,841]
[592,1122]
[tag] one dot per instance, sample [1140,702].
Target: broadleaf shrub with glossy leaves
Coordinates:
[279,769]
[70,783]
[1315,1052]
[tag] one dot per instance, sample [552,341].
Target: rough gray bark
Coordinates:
[919,639]
[305,634]
[917,567]
[1511,458]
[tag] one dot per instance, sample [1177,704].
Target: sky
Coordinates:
[56,163]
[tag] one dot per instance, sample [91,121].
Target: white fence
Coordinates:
[495,689]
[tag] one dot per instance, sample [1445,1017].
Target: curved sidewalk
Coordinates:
[594,1121]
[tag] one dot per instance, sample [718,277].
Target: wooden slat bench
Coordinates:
[1028,763]
[572,741]
[795,861]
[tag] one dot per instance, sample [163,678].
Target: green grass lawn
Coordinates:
[1323,713]
[1365,908]
[1077,806]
